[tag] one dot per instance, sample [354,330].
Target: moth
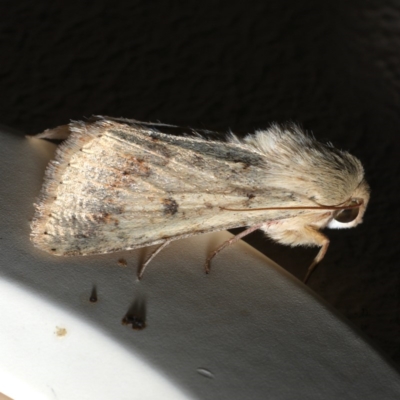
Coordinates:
[119,184]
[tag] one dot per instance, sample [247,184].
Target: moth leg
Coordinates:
[305,236]
[318,258]
[228,243]
[311,236]
[152,255]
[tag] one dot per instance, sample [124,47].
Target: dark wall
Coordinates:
[332,66]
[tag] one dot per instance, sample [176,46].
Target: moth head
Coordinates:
[352,216]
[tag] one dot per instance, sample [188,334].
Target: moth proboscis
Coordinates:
[119,184]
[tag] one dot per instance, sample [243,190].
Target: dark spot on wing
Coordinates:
[117,209]
[138,166]
[198,161]
[81,236]
[250,196]
[161,149]
[170,206]
[103,218]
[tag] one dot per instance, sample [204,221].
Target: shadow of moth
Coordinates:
[119,184]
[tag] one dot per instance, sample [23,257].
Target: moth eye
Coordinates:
[347,215]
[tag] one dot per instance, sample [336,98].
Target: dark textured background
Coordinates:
[332,66]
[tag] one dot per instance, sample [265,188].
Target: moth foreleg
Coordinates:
[152,255]
[228,243]
[318,258]
[311,236]
[304,236]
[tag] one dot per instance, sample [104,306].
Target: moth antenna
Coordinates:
[357,203]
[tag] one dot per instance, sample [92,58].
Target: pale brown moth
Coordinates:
[119,184]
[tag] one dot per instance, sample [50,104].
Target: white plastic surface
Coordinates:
[52,353]
[246,331]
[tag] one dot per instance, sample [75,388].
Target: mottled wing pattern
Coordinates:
[115,186]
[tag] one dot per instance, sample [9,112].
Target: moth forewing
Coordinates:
[122,184]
